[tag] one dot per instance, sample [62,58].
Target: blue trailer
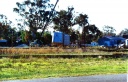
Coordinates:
[61,38]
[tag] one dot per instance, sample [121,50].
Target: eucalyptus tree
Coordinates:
[47,39]
[89,32]
[63,20]
[81,20]
[5,26]
[124,32]
[109,31]
[35,13]
[6,30]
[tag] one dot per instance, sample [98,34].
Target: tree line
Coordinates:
[41,14]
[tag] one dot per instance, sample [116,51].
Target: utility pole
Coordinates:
[49,18]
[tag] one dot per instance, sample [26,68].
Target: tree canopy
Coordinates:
[5,27]
[124,32]
[82,20]
[63,20]
[91,33]
[109,31]
[35,13]
[6,31]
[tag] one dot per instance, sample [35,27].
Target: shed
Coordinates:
[110,41]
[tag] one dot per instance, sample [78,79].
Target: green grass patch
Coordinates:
[59,67]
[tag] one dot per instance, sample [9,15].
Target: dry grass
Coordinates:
[56,51]
[20,51]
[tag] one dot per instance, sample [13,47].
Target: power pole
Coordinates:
[49,18]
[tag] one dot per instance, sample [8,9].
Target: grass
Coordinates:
[56,51]
[59,67]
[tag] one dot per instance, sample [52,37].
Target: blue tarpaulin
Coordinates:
[3,40]
[110,41]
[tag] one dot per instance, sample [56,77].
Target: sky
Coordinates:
[100,12]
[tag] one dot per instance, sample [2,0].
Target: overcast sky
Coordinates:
[100,12]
